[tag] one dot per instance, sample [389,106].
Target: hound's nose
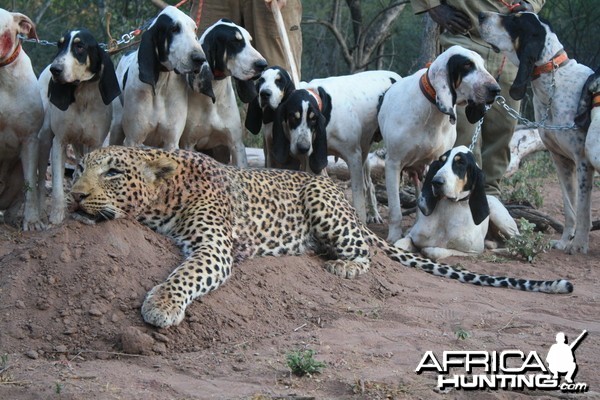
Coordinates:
[303,148]
[265,94]
[198,59]
[482,16]
[493,92]
[260,65]
[438,182]
[56,70]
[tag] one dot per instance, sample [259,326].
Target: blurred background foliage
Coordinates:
[339,37]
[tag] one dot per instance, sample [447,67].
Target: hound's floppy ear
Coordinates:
[206,80]
[246,90]
[583,117]
[153,50]
[109,84]
[281,144]
[427,200]
[26,25]
[62,95]
[474,112]
[289,85]
[254,117]
[214,51]
[478,203]
[318,158]
[529,51]
[445,95]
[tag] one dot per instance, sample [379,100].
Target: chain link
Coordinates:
[542,124]
[478,129]
[125,38]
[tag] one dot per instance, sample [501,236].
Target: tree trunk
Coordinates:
[430,46]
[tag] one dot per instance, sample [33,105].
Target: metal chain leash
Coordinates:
[542,124]
[478,129]
[126,38]
[522,120]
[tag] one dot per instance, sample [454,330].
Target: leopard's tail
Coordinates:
[462,275]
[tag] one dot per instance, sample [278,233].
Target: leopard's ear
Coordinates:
[161,169]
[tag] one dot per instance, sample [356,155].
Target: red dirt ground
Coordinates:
[70,317]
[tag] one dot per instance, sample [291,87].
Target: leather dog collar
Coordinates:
[596,100]
[317,97]
[556,62]
[426,87]
[12,57]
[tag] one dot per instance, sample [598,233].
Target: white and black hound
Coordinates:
[336,116]
[557,83]
[77,88]
[21,116]
[155,97]
[454,212]
[216,121]
[273,87]
[418,114]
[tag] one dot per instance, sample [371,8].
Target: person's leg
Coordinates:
[259,21]
[213,10]
[498,128]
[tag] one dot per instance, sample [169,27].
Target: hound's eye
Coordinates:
[176,28]
[112,172]
[278,79]
[469,65]
[78,48]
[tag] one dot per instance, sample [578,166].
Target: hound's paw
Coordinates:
[374,219]
[35,225]
[57,215]
[161,308]
[346,269]
[559,244]
[577,247]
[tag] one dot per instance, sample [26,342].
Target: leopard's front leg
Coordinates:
[205,269]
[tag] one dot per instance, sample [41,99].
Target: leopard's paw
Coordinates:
[162,307]
[346,269]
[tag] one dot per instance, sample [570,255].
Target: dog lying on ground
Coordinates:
[454,212]
[417,117]
[216,121]
[21,116]
[77,89]
[557,83]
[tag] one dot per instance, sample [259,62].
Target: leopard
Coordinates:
[220,215]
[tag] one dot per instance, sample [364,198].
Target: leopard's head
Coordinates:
[115,182]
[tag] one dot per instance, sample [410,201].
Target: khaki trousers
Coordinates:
[258,20]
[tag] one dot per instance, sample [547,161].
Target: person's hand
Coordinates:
[451,19]
[280,3]
[521,6]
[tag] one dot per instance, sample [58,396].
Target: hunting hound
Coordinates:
[557,83]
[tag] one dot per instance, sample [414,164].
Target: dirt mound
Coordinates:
[79,288]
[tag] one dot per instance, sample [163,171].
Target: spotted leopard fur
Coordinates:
[220,214]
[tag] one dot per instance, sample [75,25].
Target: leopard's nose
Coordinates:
[78,196]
